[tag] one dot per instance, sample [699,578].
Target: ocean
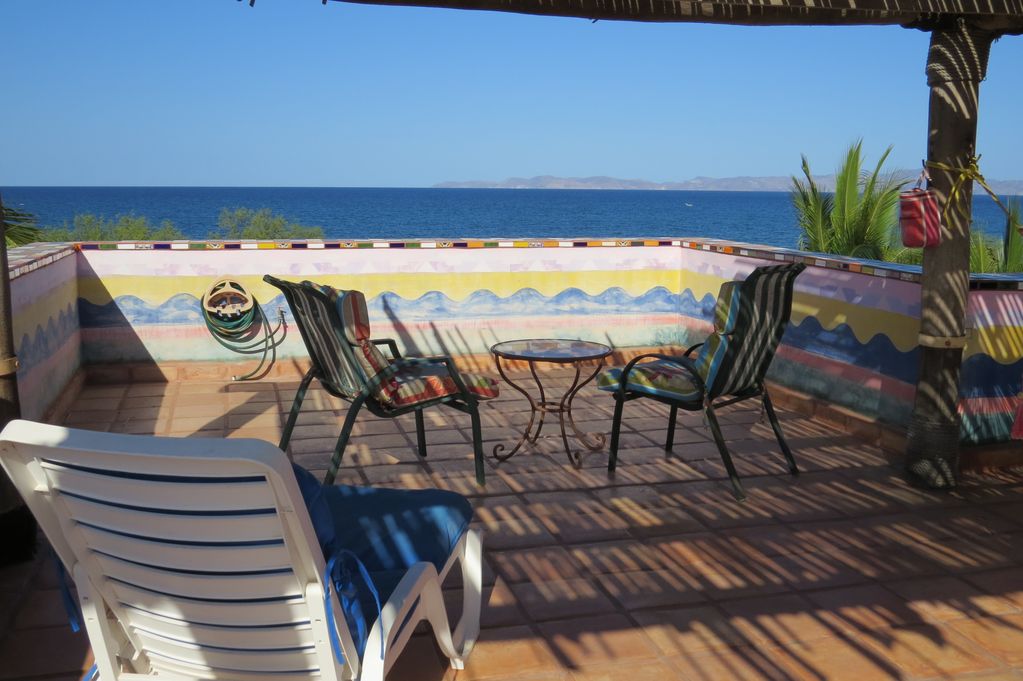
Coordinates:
[399,213]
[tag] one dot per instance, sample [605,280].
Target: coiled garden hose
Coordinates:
[236,321]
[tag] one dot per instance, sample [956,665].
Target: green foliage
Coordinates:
[239,223]
[858,219]
[988,255]
[813,210]
[1012,242]
[245,223]
[985,254]
[124,228]
[19,228]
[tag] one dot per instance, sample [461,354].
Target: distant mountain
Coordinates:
[719,184]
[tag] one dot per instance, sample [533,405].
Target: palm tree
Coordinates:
[858,219]
[1012,242]
[19,228]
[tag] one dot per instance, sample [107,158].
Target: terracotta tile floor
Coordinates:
[655,573]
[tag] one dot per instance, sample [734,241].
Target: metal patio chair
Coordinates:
[749,319]
[349,365]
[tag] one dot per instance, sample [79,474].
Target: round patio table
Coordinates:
[574,353]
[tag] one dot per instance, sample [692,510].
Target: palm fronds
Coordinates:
[858,219]
[813,209]
[1012,248]
[19,227]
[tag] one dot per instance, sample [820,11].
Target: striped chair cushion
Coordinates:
[351,308]
[420,383]
[727,306]
[713,351]
[410,385]
[661,378]
[765,305]
[749,319]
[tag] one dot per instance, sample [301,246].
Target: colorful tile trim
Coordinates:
[26,258]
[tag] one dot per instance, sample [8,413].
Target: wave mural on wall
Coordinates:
[46,341]
[835,354]
[185,308]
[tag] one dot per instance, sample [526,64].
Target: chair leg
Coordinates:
[671,429]
[733,475]
[342,440]
[769,408]
[468,628]
[421,433]
[295,407]
[616,430]
[477,443]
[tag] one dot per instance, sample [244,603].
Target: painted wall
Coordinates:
[852,340]
[852,336]
[47,340]
[992,378]
[145,305]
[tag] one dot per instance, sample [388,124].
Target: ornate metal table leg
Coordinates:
[591,441]
[542,403]
[562,409]
[499,448]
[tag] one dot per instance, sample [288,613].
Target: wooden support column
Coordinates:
[17,527]
[956,64]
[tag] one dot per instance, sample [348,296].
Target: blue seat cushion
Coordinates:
[673,380]
[390,529]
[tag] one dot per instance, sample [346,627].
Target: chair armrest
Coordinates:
[403,362]
[419,579]
[449,364]
[417,597]
[690,349]
[391,345]
[682,361]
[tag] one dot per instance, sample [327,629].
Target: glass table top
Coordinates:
[551,350]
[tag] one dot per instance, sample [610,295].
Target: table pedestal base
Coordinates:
[563,408]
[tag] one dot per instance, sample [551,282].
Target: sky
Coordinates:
[294,93]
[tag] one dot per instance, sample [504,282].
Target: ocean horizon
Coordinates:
[762,217]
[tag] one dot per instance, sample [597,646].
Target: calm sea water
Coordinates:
[359,213]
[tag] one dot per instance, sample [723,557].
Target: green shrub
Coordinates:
[124,228]
[858,218]
[245,223]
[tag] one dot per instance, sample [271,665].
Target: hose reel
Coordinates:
[235,319]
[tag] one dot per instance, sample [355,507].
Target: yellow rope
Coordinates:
[970,172]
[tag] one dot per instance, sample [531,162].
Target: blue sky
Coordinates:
[292,93]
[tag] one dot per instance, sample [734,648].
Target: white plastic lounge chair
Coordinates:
[197,559]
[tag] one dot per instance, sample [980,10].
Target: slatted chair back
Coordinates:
[202,552]
[322,332]
[749,320]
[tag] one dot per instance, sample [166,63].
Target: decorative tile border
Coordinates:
[26,258]
[321,245]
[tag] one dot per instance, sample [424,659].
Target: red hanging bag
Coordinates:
[919,218]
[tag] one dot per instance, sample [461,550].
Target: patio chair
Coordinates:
[197,559]
[729,367]
[335,328]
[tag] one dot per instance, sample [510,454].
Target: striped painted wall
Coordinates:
[852,340]
[145,305]
[47,338]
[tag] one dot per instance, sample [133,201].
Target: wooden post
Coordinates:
[956,64]
[17,527]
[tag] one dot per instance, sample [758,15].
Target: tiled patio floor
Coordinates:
[842,573]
